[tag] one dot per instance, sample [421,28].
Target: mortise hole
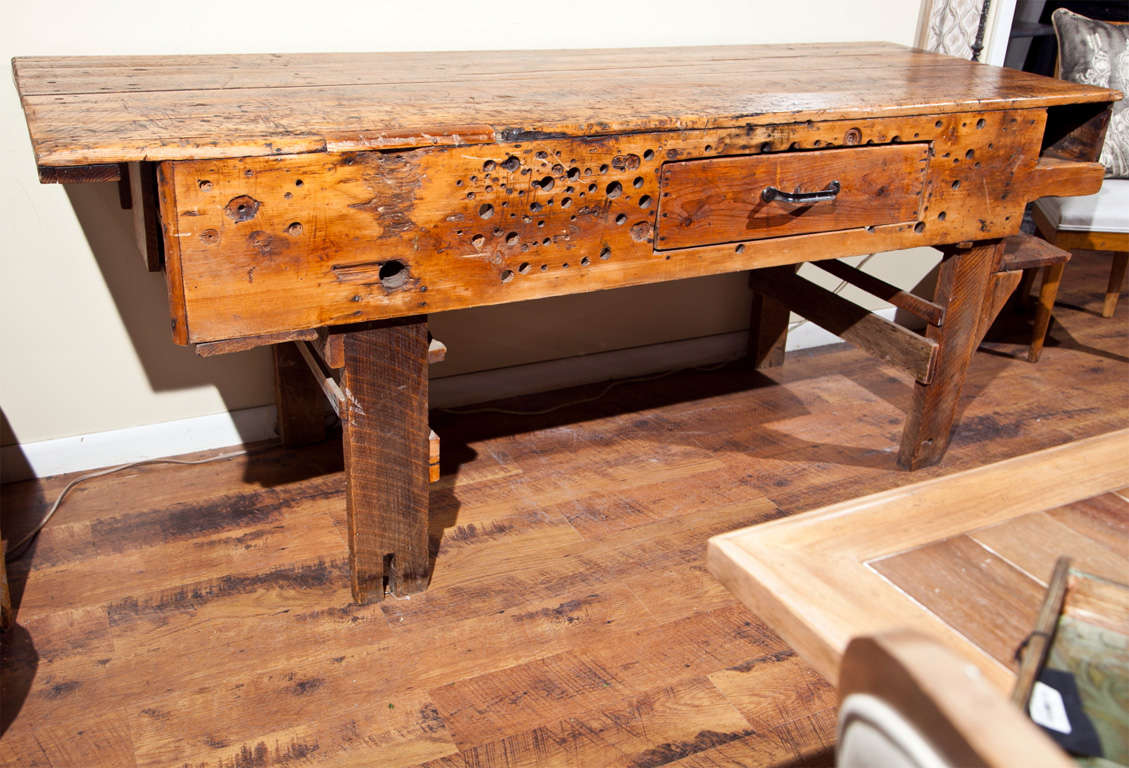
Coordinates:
[614,190]
[393,274]
[486,210]
[507,276]
[478,241]
[645,201]
[638,182]
[524,268]
[606,253]
[295,228]
[919,226]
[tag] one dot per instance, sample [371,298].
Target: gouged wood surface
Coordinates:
[202,614]
[84,110]
[283,243]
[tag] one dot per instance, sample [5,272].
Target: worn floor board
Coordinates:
[200,616]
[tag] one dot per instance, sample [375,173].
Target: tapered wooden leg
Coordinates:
[768,330]
[1052,277]
[299,399]
[962,288]
[1023,293]
[386,447]
[1116,277]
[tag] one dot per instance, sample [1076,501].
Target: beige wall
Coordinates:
[85,344]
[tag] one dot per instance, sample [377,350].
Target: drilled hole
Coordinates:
[648,154]
[919,227]
[566,202]
[585,261]
[546,183]
[740,248]
[614,190]
[488,166]
[981,123]
[524,268]
[458,182]
[486,210]
[621,219]
[512,239]
[970,154]
[942,216]
[573,174]
[591,187]
[511,163]
[204,184]
[604,168]
[507,276]
[938,124]
[393,274]
[558,170]
[606,253]
[295,228]
[956,184]
[637,182]
[478,241]
[645,201]
[298,182]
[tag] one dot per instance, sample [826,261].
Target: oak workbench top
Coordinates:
[91,110]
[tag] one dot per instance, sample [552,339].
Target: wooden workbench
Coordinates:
[335,200]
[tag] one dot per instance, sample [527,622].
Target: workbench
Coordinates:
[325,204]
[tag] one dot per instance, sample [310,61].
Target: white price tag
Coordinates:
[1047,708]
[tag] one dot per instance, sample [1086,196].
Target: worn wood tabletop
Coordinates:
[91,110]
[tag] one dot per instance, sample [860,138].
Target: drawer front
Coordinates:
[706,202]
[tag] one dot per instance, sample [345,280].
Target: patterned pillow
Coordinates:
[1097,53]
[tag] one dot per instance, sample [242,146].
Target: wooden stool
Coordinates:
[1030,254]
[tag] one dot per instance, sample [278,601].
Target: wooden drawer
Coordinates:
[705,202]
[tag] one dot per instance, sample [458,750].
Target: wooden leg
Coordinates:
[768,330]
[1052,276]
[385,432]
[300,402]
[1116,277]
[962,288]
[1023,294]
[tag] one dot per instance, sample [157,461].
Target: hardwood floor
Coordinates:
[200,616]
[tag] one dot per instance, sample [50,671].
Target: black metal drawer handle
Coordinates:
[829,193]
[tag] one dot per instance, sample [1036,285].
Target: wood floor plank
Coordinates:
[962,582]
[200,615]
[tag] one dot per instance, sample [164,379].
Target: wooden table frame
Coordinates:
[772,567]
[333,201]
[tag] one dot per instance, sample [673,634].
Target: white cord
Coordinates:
[13,552]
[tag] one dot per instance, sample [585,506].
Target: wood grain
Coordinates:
[705,202]
[332,239]
[190,614]
[109,110]
[386,438]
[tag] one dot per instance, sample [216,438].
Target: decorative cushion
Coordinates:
[1097,53]
[1107,211]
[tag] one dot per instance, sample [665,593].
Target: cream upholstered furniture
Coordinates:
[1096,222]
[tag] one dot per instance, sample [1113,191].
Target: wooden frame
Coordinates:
[808,575]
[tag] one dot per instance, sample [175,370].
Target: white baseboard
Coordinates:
[222,430]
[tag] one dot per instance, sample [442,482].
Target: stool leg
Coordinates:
[299,399]
[1052,276]
[1116,277]
[1023,293]
[962,288]
[386,447]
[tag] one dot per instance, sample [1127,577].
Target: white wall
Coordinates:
[84,342]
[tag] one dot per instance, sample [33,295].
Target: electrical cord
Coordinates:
[15,551]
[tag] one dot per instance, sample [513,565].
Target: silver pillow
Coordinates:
[1097,53]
